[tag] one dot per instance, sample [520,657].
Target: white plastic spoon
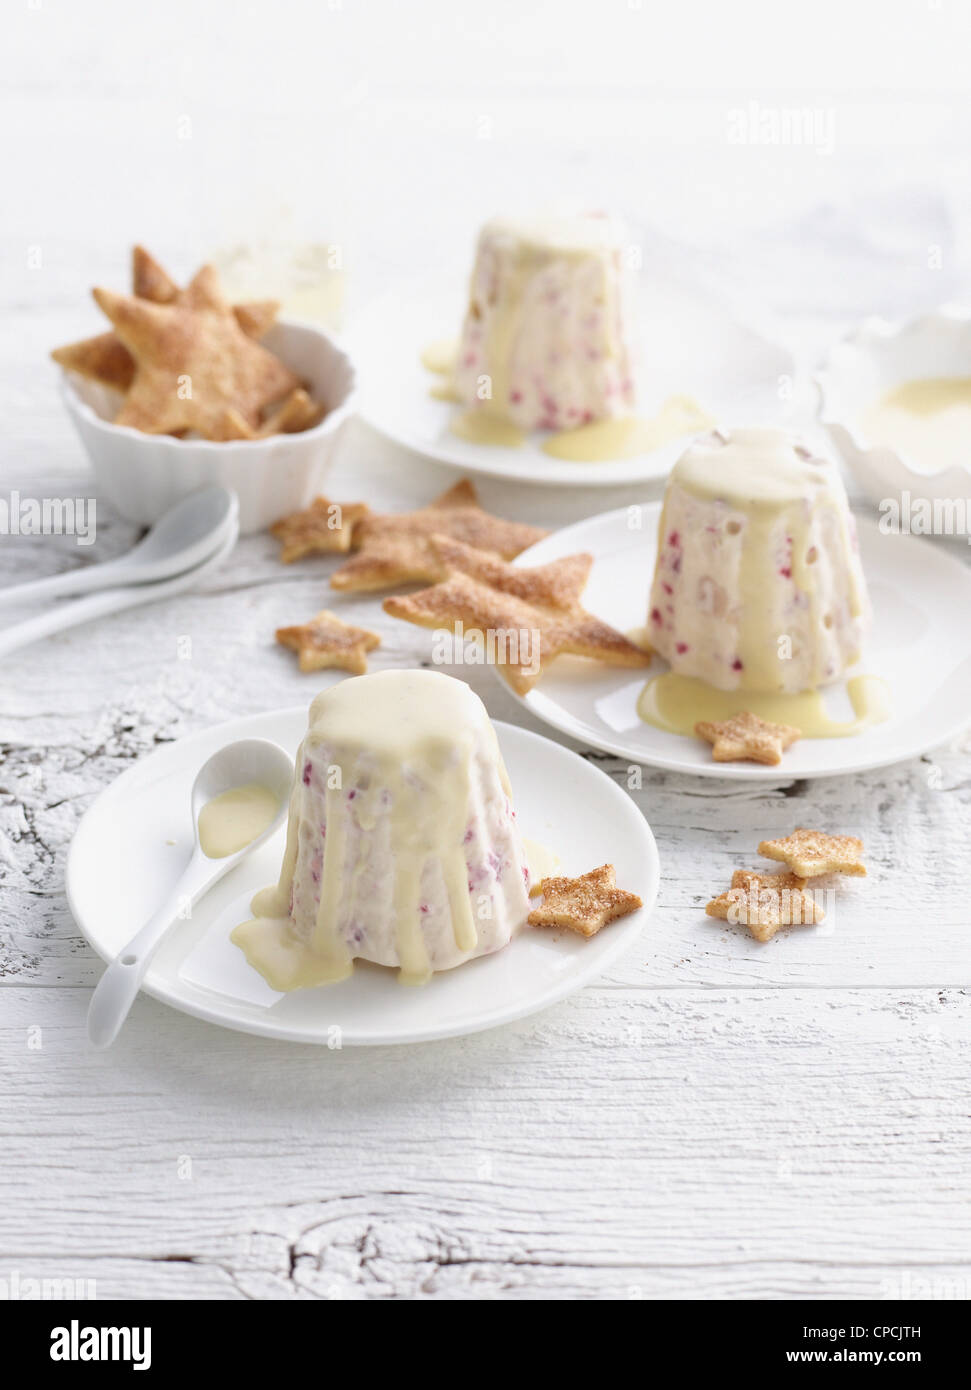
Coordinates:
[112,600]
[189,532]
[237,765]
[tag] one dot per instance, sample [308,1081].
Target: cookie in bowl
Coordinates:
[187,390]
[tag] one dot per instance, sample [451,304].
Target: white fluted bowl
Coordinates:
[864,366]
[143,475]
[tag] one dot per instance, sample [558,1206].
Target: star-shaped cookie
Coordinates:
[526,616]
[810,853]
[295,413]
[327,641]
[102,358]
[105,358]
[583,904]
[396,549]
[766,902]
[324,526]
[746,737]
[195,367]
[149,280]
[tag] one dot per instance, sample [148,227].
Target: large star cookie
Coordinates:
[327,641]
[810,853]
[105,358]
[583,904]
[526,616]
[397,549]
[766,902]
[747,737]
[195,367]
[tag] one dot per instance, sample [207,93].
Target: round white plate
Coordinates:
[920,643]
[135,840]
[689,343]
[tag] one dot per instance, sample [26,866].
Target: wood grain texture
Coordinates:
[714,1119]
[623,1144]
[132,683]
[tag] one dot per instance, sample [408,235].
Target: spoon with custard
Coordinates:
[239,799]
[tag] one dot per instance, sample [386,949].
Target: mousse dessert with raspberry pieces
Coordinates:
[402,846]
[758,583]
[545,339]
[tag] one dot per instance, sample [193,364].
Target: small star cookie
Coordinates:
[810,853]
[746,737]
[326,641]
[583,904]
[766,902]
[324,526]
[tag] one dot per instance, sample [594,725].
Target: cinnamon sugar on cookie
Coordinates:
[533,613]
[196,340]
[326,641]
[396,549]
[766,902]
[324,526]
[810,853]
[105,358]
[295,413]
[584,904]
[747,738]
[188,362]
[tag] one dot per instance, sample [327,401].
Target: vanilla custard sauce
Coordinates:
[677,703]
[234,819]
[929,419]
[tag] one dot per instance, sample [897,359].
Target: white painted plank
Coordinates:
[763,1144]
[78,708]
[714,1119]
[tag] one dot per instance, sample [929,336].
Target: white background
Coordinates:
[393,129]
[716,1118]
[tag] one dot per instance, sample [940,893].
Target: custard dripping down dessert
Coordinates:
[402,847]
[545,339]
[758,584]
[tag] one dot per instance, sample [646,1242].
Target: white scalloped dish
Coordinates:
[872,361]
[143,475]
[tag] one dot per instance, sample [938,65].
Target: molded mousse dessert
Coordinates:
[402,847]
[544,344]
[758,583]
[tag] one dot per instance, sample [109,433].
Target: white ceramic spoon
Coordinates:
[236,765]
[112,600]
[185,536]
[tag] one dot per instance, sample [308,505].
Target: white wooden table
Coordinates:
[714,1118]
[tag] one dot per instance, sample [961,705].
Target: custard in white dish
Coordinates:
[758,583]
[928,420]
[402,847]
